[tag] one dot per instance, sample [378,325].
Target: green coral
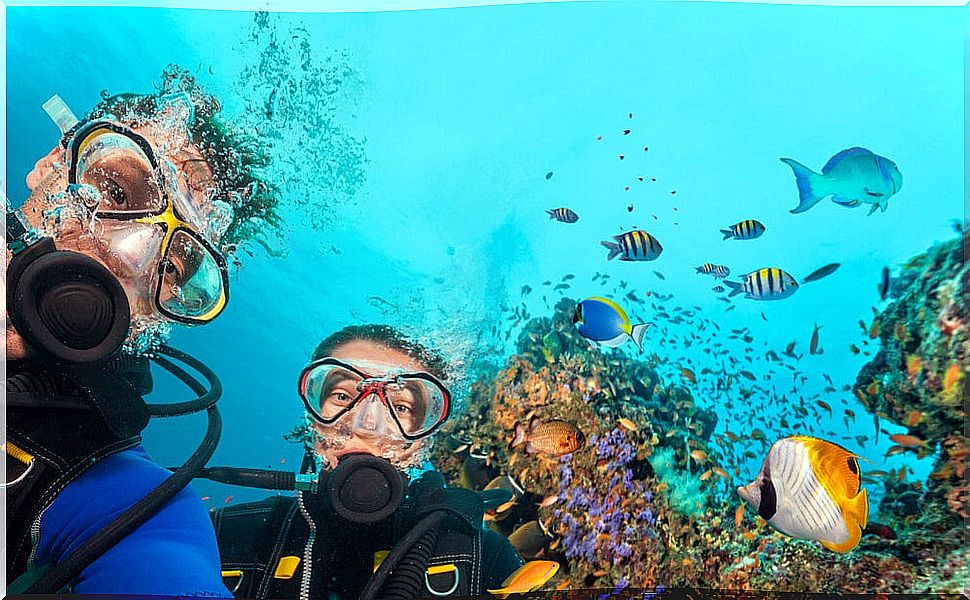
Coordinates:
[681,488]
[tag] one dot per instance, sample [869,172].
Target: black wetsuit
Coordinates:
[336,559]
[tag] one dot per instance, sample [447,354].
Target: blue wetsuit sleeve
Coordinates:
[173,554]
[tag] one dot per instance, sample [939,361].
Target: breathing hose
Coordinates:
[427,525]
[65,572]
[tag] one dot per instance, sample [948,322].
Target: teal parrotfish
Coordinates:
[852,178]
[602,321]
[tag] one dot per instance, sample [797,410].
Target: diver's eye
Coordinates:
[123,183]
[339,397]
[403,409]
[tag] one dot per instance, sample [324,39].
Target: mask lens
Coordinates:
[193,281]
[418,404]
[120,170]
[329,390]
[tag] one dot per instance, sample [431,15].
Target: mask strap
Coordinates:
[59,112]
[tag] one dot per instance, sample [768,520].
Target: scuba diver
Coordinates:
[377,522]
[125,232]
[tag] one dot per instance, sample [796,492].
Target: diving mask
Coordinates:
[141,195]
[397,404]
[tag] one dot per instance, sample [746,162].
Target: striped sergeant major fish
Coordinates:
[811,489]
[745,230]
[769,283]
[563,215]
[634,245]
[718,271]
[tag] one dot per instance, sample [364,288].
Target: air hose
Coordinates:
[405,582]
[427,525]
[60,576]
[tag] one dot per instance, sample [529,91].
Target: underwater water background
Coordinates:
[460,114]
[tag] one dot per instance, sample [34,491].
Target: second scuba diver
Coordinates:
[376,526]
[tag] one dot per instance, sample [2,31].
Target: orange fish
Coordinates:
[739,516]
[907,441]
[873,388]
[894,450]
[914,418]
[627,423]
[698,455]
[952,376]
[874,330]
[555,437]
[825,406]
[688,374]
[530,576]
[549,501]
[914,364]
[900,333]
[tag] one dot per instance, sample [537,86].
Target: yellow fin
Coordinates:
[526,578]
[857,510]
[835,467]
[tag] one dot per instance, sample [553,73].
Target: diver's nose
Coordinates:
[370,414]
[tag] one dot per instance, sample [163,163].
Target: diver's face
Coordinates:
[113,243]
[335,440]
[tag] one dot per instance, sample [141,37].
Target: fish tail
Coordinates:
[637,332]
[808,183]
[518,435]
[736,288]
[728,233]
[552,212]
[614,250]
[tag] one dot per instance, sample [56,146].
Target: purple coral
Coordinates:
[604,517]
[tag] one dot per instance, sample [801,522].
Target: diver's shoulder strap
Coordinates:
[253,538]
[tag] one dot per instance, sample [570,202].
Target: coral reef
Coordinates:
[920,383]
[649,501]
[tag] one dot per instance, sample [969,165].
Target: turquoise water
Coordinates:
[461,113]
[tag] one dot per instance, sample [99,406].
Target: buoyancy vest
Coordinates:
[61,420]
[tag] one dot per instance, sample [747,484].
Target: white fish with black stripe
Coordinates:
[809,488]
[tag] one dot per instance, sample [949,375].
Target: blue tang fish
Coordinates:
[602,321]
[852,177]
